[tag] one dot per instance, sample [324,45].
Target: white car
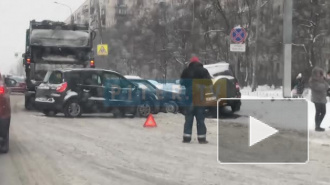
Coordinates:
[171,87]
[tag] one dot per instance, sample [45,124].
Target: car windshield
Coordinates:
[19,79]
[55,77]
[40,70]
[145,84]
[155,83]
[141,85]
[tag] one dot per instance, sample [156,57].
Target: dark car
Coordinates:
[15,84]
[169,100]
[5,114]
[77,91]
[225,86]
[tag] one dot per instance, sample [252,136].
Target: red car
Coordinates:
[5,114]
[15,84]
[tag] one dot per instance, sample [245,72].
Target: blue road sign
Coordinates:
[238,35]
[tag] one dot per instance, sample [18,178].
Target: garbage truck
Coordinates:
[54,45]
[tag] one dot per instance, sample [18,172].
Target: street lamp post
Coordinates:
[287,53]
[72,18]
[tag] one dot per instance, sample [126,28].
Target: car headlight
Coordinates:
[156,97]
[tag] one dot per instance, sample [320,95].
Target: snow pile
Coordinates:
[131,77]
[217,68]
[59,58]
[262,92]
[59,38]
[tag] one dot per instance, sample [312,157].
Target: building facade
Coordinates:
[111,11]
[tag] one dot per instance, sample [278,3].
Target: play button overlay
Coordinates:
[259,131]
[264,131]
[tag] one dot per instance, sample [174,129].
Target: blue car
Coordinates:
[170,99]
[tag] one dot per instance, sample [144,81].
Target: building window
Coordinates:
[140,3]
[122,11]
[120,2]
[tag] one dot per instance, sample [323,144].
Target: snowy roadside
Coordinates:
[103,150]
[267,92]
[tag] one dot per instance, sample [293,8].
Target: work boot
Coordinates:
[186,140]
[319,129]
[202,141]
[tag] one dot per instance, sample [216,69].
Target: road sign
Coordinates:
[237,47]
[102,50]
[238,35]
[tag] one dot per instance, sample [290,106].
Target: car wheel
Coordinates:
[144,109]
[4,147]
[182,110]
[215,113]
[49,113]
[118,113]
[171,107]
[235,108]
[164,108]
[72,109]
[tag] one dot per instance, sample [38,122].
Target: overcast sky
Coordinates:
[14,20]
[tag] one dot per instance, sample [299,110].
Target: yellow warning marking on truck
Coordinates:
[102,50]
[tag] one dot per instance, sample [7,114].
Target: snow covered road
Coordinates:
[101,150]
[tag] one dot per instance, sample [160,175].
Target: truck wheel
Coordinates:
[72,109]
[29,103]
[144,109]
[4,147]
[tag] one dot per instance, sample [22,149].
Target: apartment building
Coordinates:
[113,11]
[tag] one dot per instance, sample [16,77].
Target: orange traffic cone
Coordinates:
[150,122]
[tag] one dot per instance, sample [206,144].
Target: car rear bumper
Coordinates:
[18,90]
[223,103]
[51,104]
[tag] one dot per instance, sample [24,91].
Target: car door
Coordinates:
[92,92]
[118,90]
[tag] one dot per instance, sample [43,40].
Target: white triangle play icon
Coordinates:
[259,131]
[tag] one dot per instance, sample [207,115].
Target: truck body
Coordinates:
[54,45]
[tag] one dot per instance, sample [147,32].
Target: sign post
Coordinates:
[238,36]
[237,48]
[287,53]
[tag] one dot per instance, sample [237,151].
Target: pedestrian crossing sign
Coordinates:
[102,50]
